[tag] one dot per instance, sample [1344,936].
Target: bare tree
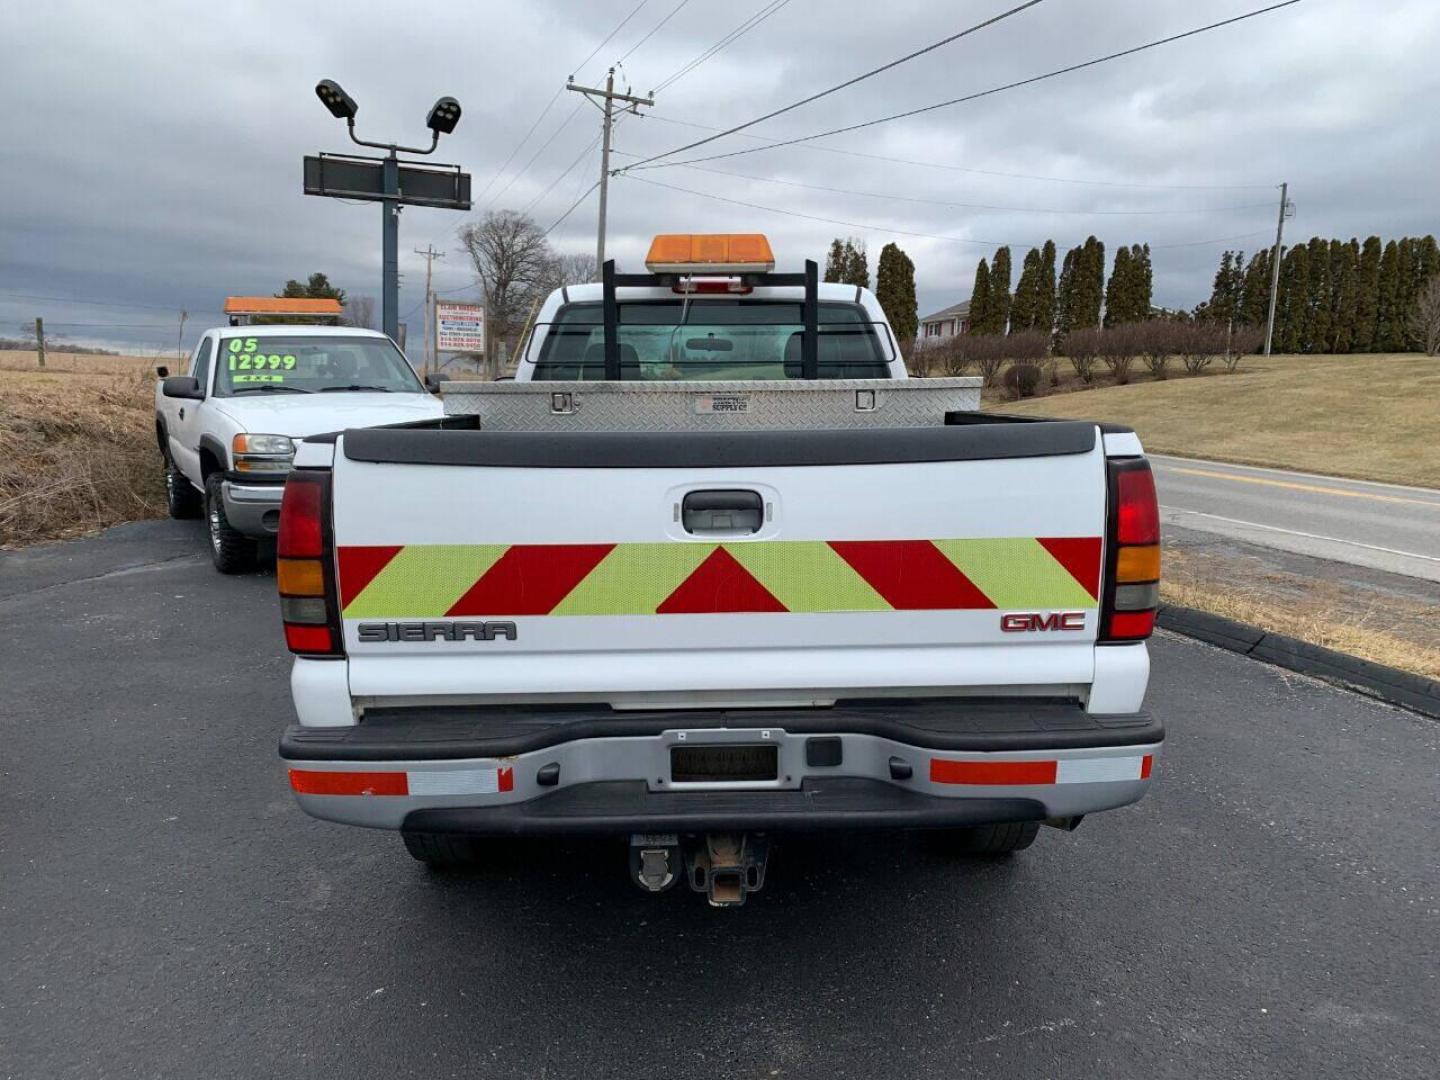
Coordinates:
[575,268]
[514,262]
[360,311]
[1119,346]
[1425,319]
[1200,343]
[1243,341]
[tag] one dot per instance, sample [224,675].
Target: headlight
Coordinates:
[263,453]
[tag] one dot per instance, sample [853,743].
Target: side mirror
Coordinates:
[182,386]
[162,371]
[432,382]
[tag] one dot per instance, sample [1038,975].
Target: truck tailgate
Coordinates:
[518,566]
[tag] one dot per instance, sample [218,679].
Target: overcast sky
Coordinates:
[151,152]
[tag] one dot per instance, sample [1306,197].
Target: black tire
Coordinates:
[231,550]
[1001,839]
[443,851]
[181,498]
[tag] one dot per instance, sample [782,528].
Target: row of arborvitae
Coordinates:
[1024,362]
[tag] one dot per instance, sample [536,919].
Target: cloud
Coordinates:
[152,156]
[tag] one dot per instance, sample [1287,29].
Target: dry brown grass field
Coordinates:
[1367,417]
[77,445]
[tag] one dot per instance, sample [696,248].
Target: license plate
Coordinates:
[702,764]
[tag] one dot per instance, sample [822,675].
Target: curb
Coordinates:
[1402,688]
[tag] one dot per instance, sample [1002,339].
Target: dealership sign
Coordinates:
[459,328]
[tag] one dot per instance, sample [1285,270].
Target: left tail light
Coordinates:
[1132,578]
[305,566]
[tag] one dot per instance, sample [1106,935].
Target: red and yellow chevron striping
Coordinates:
[436,580]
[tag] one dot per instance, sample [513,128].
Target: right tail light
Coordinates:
[1132,578]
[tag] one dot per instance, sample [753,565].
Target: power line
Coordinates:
[968,169]
[984,93]
[99,303]
[673,12]
[575,206]
[543,147]
[849,82]
[568,170]
[871,227]
[725,42]
[968,206]
[551,104]
[579,68]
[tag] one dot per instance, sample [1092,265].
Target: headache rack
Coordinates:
[610,280]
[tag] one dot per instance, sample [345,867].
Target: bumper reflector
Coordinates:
[992,772]
[315,782]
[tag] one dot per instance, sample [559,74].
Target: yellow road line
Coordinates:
[1317,489]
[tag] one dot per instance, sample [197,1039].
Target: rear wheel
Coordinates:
[231,550]
[1001,839]
[181,499]
[443,851]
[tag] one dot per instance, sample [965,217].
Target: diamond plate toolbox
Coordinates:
[711,406]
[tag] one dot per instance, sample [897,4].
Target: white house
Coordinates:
[946,323]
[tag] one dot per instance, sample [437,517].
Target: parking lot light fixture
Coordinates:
[444,115]
[341,105]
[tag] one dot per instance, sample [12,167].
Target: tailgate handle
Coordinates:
[722,513]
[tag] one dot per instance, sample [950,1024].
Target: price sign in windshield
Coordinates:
[248,362]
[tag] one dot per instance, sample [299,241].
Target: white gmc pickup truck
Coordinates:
[227,428]
[632,593]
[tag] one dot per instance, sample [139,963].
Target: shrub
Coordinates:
[952,357]
[1200,343]
[1083,349]
[1159,339]
[1118,348]
[1243,340]
[1022,379]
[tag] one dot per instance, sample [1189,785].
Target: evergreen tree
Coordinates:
[1116,300]
[1367,296]
[1000,292]
[1344,283]
[1045,308]
[1089,283]
[1065,293]
[1025,309]
[895,289]
[1255,291]
[1389,317]
[1144,281]
[1292,316]
[318,287]
[1318,296]
[980,306]
[857,266]
[837,261]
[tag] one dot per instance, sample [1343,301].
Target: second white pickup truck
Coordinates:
[701,632]
[227,429]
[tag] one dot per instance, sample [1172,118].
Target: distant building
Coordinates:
[946,323]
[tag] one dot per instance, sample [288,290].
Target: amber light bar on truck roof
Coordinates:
[710,253]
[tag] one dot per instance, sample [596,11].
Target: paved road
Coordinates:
[1270,911]
[1382,526]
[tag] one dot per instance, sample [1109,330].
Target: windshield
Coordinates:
[275,364]
[729,339]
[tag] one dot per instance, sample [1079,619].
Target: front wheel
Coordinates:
[1001,839]
[181,498]
[231,550]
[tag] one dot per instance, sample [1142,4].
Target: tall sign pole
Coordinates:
[1275,266]
[606,105]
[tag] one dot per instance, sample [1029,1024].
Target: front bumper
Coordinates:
[494,773]
[253,509]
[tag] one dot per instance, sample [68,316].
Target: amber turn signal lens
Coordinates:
[1138,563]
[300,577]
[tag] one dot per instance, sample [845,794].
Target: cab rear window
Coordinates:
[721,339]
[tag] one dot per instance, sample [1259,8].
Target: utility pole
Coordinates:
[430,255]
[40,340]
[180,338]
[606,105]
[1286,209]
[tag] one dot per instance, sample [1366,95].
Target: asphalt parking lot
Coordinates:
[1270,910]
